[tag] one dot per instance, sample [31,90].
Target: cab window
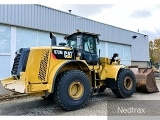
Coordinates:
[72,42]
[89,44]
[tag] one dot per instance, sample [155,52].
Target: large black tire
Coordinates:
[125,84]
[72,90]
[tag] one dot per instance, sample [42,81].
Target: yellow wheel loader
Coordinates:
[70,73]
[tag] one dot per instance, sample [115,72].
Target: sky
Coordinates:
[137,15]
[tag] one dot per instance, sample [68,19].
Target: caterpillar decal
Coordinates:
[62,54]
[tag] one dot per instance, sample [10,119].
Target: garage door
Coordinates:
[124,52]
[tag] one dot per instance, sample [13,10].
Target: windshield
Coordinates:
[85,42]
[72,42]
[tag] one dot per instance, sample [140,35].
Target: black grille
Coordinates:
[20,61]
[15,64]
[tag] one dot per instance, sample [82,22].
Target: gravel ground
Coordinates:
[104,104]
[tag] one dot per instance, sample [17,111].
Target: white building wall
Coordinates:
[13,46]
[14,38]
[5,50]
[103,49]
[140,64]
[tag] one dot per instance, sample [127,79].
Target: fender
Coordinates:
[54,73]
[110,71]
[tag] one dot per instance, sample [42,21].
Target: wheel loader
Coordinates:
[69,72]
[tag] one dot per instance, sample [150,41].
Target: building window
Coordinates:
[32,38]
[5,39]
[26,38]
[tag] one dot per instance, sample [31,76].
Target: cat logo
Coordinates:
[68,54]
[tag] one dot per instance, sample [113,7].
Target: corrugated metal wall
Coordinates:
[48,19]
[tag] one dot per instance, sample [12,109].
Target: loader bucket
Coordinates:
[145,80]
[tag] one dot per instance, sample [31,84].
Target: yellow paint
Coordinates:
[97,68]
[36,62]
[77,58]
[54,66]
[58,66]
[33,82]
[109,71]
[24,77]
[38,87]
[76,90]
[69,56]
[38,93]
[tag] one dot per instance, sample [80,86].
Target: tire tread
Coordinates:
[57,92]
[118,91]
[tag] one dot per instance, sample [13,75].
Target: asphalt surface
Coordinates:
[104,104]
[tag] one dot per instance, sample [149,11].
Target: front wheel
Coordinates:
[72,90]
[125,84]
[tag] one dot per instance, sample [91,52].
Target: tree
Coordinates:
[151,50]
[157,43]
[156,51]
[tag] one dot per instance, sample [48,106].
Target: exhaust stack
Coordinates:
[53,39]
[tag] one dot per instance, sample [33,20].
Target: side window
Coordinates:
[72,42]
[5,39]
[86,45]
[89,45]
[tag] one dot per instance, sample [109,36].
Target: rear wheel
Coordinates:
[72,90]
[126,84]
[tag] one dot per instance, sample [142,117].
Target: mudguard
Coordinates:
[55,71]
[110,71]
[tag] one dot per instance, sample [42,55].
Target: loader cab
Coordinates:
[84,45]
